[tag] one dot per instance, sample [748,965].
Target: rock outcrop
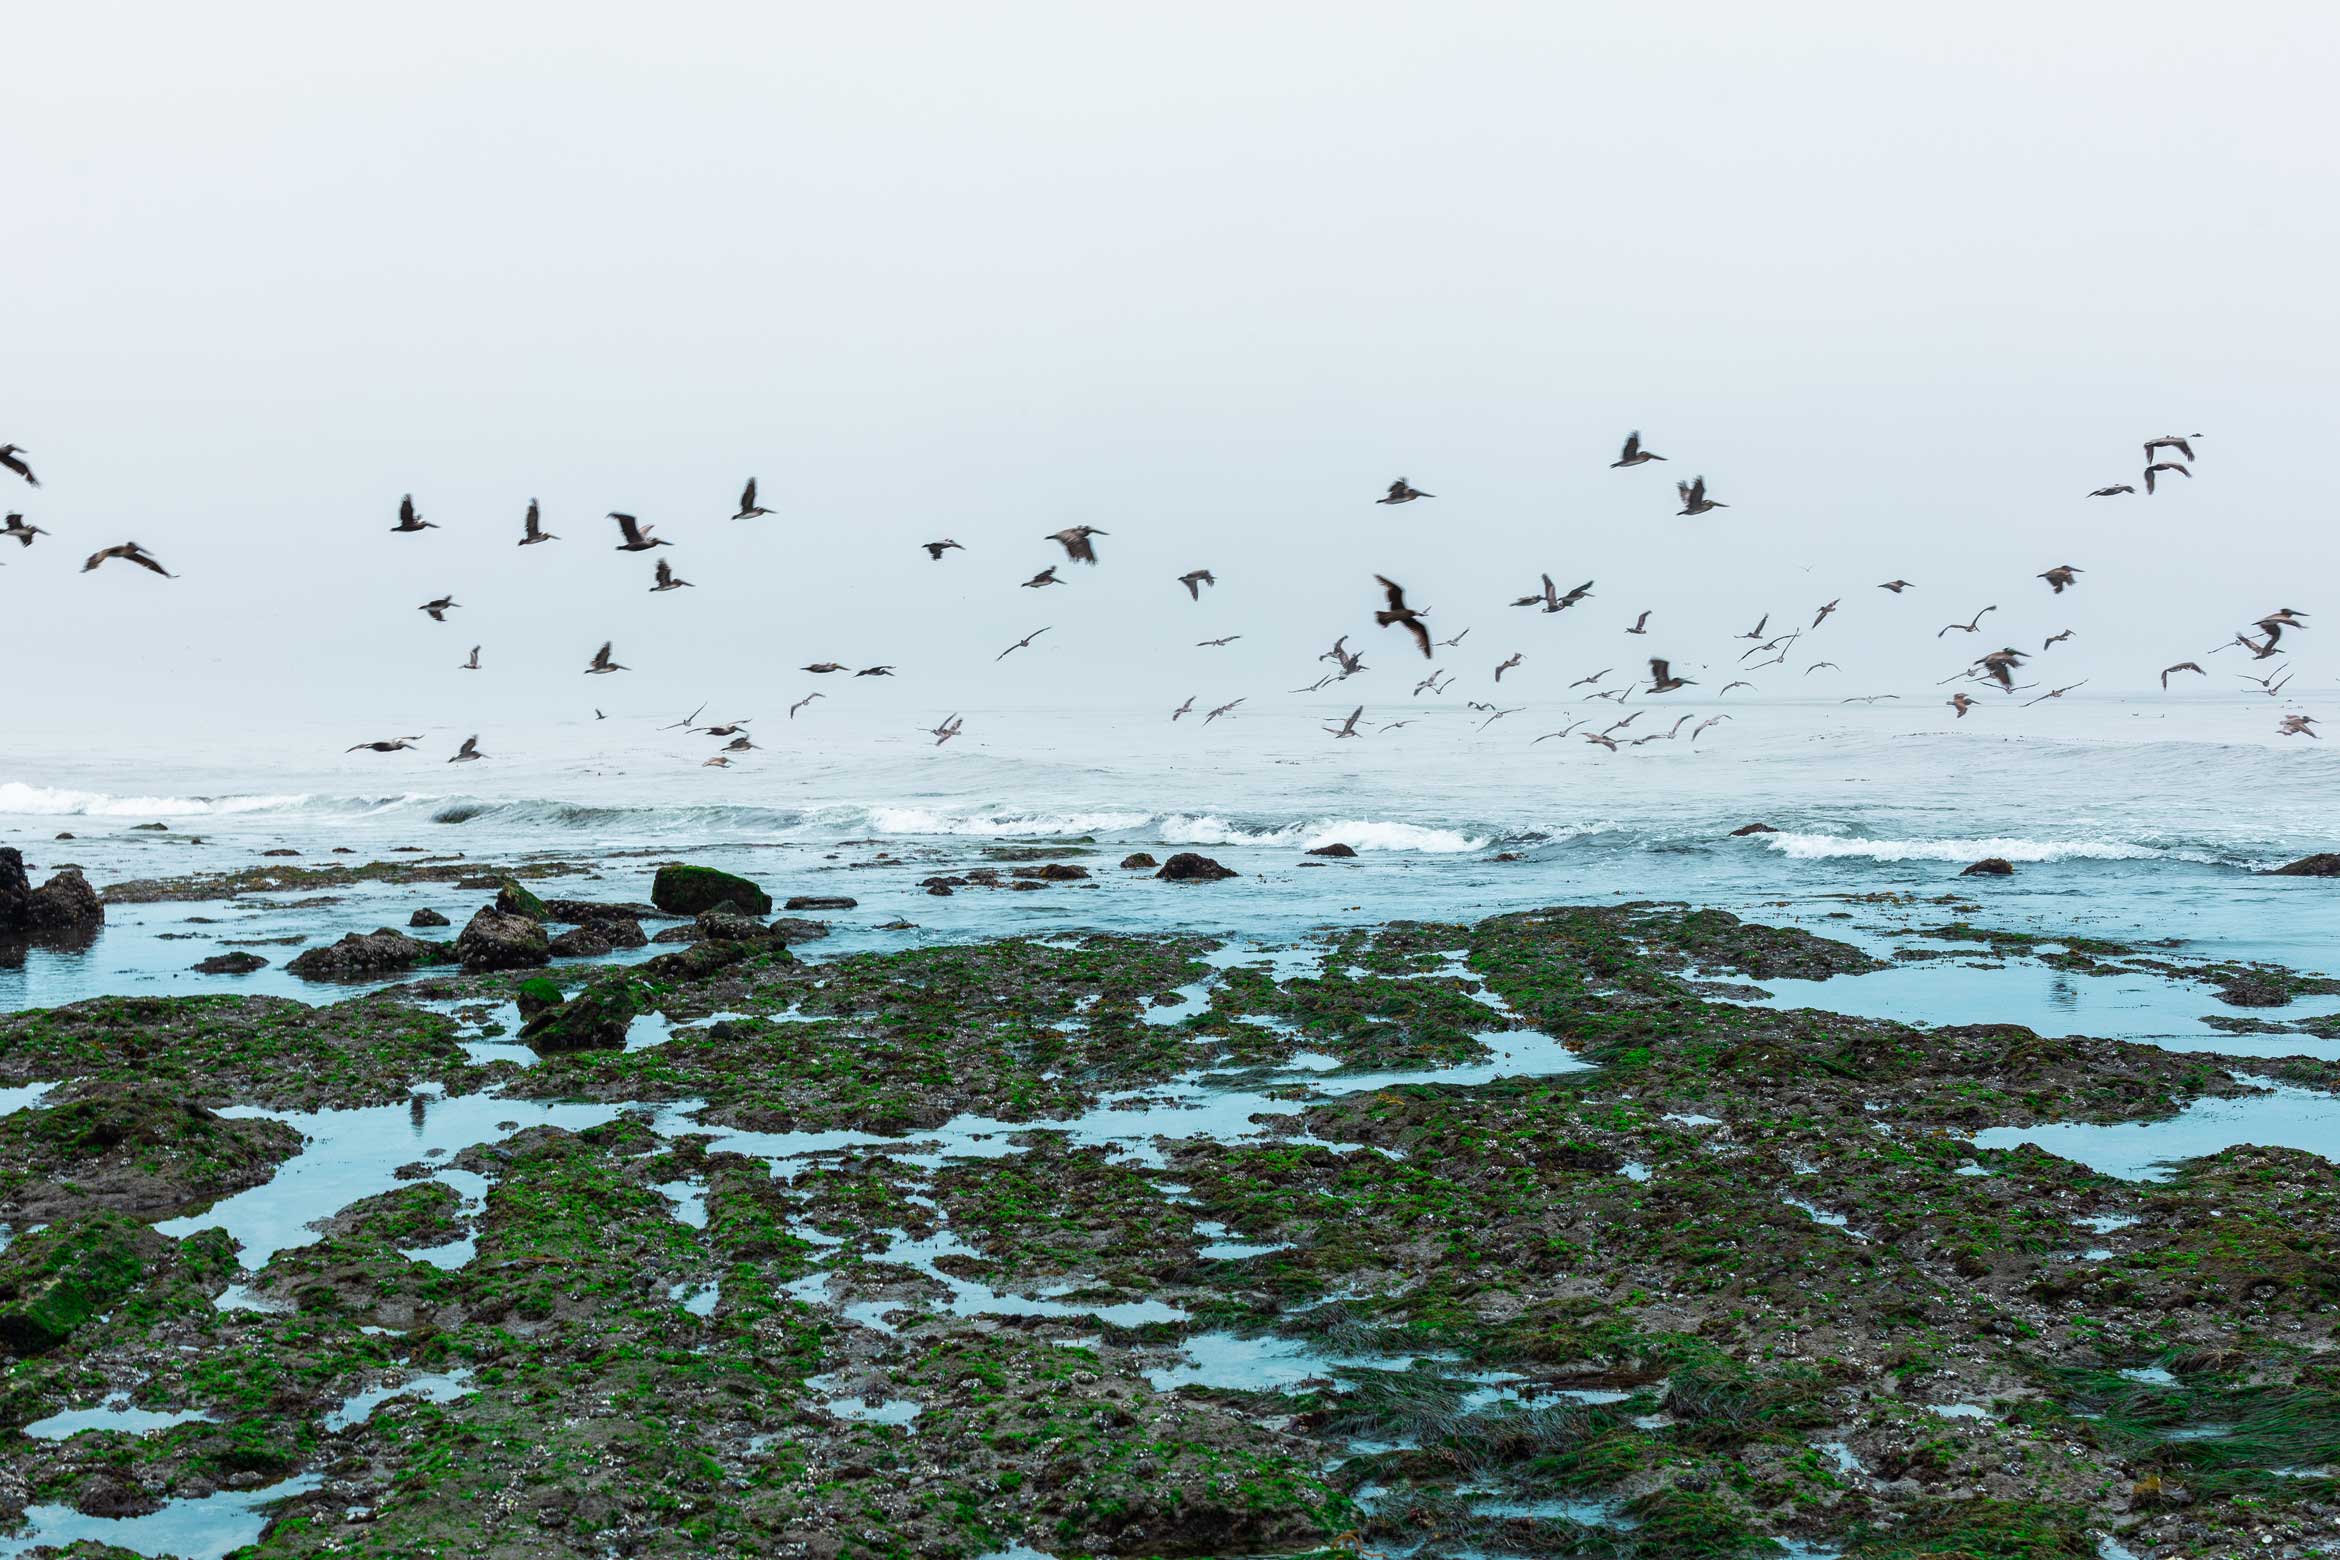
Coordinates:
[368,956]
[686,890]
[496,941]
[1188,867]
[64,909]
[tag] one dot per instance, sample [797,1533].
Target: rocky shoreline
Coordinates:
[1519,1237]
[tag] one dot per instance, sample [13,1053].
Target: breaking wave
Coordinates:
[43,801]
[1832,847]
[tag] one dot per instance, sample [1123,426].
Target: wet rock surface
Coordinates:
[369,955]
[1503,1238]
[1188,867]
[688,890]
[497,940]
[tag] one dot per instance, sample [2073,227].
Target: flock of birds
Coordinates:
[1996,670]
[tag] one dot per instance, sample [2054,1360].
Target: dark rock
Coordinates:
[1505,855]
[820,902]
[343,850]
[1053,872]
[364,955]
[623,931]
[150,828]
[1188,867]
[538,994]
[513,899]
[581,942]
[426,917]
[281,850]
[790,929]
[595,1019]
[1990,866]
[2322,864]
[688,932]
[496,941]
[65,908]
[1752,828]
[230,964]
[584,912]
[687,890]
[1027,886]
[938,888]
[1336,848]
[67,835]
[1138,861]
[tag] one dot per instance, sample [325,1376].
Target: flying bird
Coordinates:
[2054,640]
[2182,666]
[409,520]
[2059,578]
[1895,586]
[1961,703]
[2000,666]
[2277,621]
[823,668]
[1711,720]
[18,529]
[667,578]
[1757,631]
[1694,499]
[471,665]
[1504,666]
[1562,732]
[1640,624]
[1634,454]
[394,745]
[12,457]
[875,671]
[602,664]
[532,528]
[1972,625]
[2055,693]
[637,535]
[1605,741]
[1403,492]
[801,703]
[1212,644]
[1448,644]
[1046,576]
[1662,678]
[1195,579]
[1817,665]
[1347,728]
[1727,687]
[1594,679]
[946,730]
[1183,708]
[439,609]
[1398,612]
[748,507]
[2108,492]
[1077,545]
[1020,644]
[1822,615]
[2297,726]
[1494,714]
[935,550]
[467,753]
[2170,441]
[2163,465]
[131,552]
[1221,710]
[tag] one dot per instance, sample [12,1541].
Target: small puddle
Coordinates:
[204,1529]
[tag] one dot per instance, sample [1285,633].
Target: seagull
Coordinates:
[638,537]
[532,528]
[1221,710]
[2260,649]
[1395,725]
[471,665]
[823,668]
[748,507]
[801,703]
[395,745]
[1183,708]
[1428,684]
[1564,730]
[2163,465]
[1817,665]
[1587,682]
[1448,644]
[1662,678]
[1347,728]
[689,722]
[2182,666]
[1320,682]
[1505,666]
[875,671]
[130,551]
[1773,644]
[2271,684]
[408,520]
[1634,454]
[2052,640]
[935,550]
[1694,499]
[1212,644]
[1757,631]
[1195,579]
[1046,576]
[1711,720]
[1403,492]
[2170,441]
[22,532]
[1077,545]
[667,578]
[1640,624]
[1727,687]
[947,730]
[1494,714]
[602,665]
[1823,614]
[1895,586]
[1868,698]
[2062,575]
[1399,612]
[12,456]
[1020,644]
[1972,625]
[1349,661]
[2055,693]
[2297,726]
[1961,703]
[2108,492]
[438,609]
[468,753]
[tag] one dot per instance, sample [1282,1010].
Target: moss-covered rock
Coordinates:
[686,890]
[496,941]
[54,1280]
[513,898]
[595,1019]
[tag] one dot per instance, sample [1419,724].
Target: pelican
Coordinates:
[1398,612]
[1895,586]
[532,528]
[1020,644]
[1711,720]
[1593,680]
[2000,666]
[1448,644]
[1183,708]
[1819,665]
[2297,726]
[1961,703]
[1221,710]
[1195,579]
[667,578]
[748,507]
[1822,616]
[739,744]
[1634,454]
[1075,539]
[823,668]
[394,745]
[468,753]
[2109,492]
[131,552]
[2182,666]
[2277,621]
[1347,728]
[1640,624]
[2059,578]
[1605,741]
[23,533]
[1046,576]
[12,456]
[471,665]
[1727,687]
[1662,678]
[1494,714]
[440,608]
[1403,492]
[717,762]
[2163,465]
[602,664]
[935,550]
[2055,693]
[408,520]
[2170,441]
[1562,732]
[946,730]
[1504,666]
[1757,631]
[875,671]
[638,537]
[1694,499]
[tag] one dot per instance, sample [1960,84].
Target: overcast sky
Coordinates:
[1903,284]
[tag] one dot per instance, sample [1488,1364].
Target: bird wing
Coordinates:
[747,496]
[629,525]
[1396,592]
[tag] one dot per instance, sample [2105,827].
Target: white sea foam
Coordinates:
[1831,847]
[922,820]
[1357,833]
[54,802]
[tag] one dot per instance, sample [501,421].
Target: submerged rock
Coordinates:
[1138,861]
[1335,849]
[1990,866]
[1752,828]
[426,917]
[820,902]
[229,964]
[1188,867]
[496,941]
[686,890]
[364,955]
[1053,872]
[2322,864]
